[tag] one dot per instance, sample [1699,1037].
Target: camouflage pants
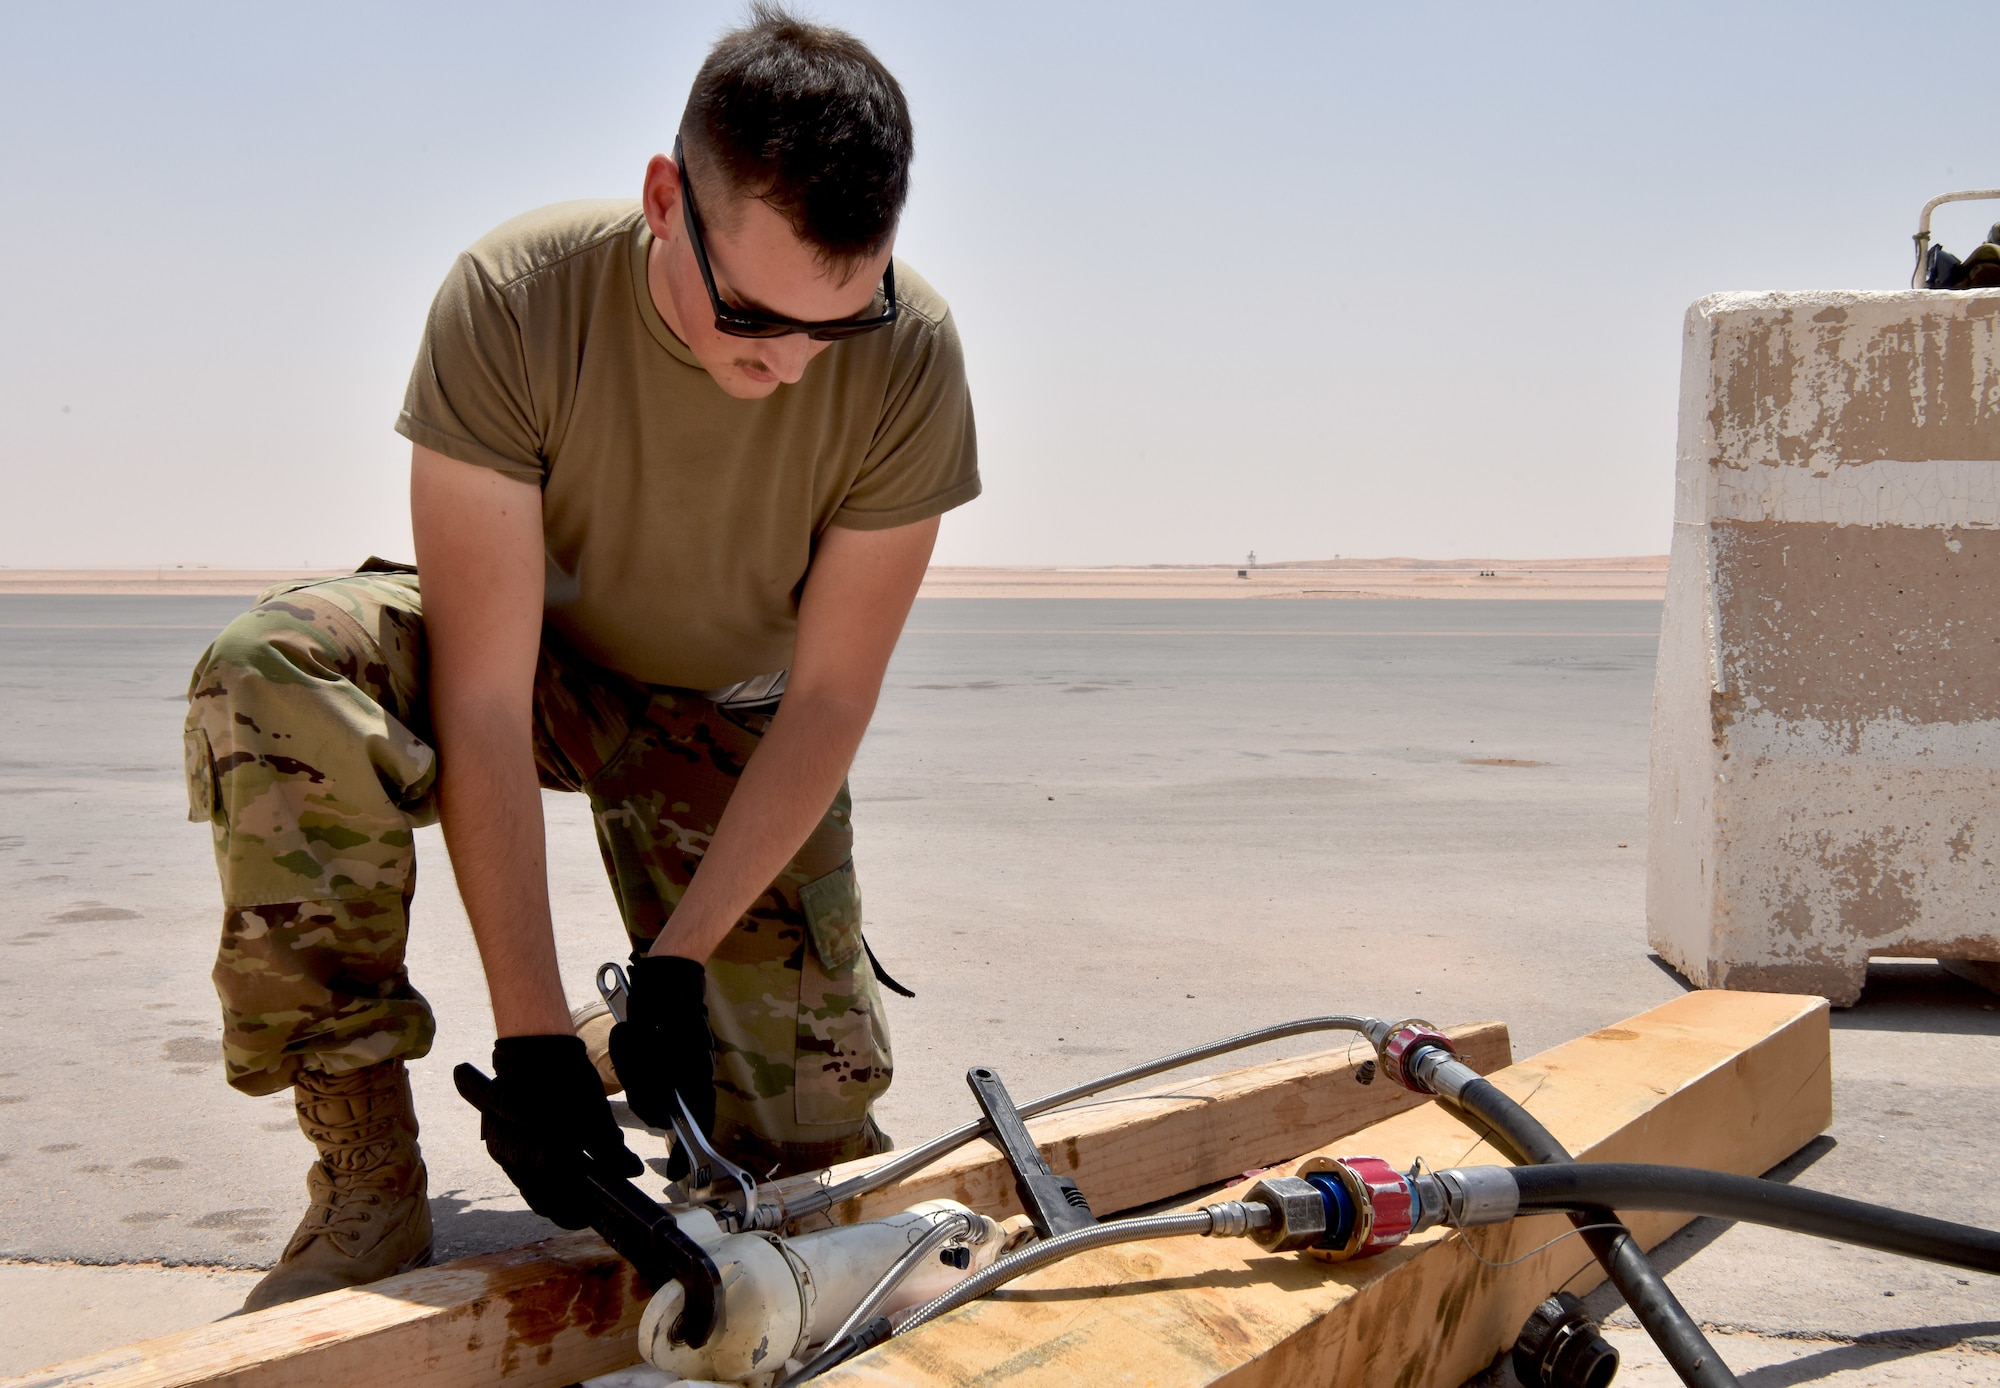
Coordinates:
[308,753]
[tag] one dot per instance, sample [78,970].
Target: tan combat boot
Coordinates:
[370,1215]
[592,1024]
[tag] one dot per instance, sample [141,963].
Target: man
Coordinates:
[657,450]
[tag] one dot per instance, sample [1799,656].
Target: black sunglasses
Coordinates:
[745,322]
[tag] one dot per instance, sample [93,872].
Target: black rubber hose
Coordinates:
[1686,1190]
[871,1333]
[1659,1311]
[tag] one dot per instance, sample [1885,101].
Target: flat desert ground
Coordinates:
[1634,577]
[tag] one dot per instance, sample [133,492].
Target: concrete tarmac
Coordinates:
[1089,831]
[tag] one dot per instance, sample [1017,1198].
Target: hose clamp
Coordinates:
[802,1280]
[1479,1195]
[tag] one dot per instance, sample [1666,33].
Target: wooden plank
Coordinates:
[568,1308]
[525,1315]
[1983,972]
[1734,1081]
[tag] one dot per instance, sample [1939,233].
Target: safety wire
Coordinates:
[1538,1248]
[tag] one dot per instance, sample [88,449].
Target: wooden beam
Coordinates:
[568,1308]
[1734,1081]
[548,1313]
[1983,972]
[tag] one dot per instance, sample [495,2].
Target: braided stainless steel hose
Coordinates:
[810,1202]
[1231,1217]
[947,1227]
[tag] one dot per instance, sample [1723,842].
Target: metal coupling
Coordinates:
[1429,1203]
[1295,1214]
[1405,1042]
[1442,1074]
[769,1216]
[1234,1218]
[1382,1206]
[1478,1195]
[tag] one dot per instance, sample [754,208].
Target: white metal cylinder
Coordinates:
[847,1260]
[780,1297]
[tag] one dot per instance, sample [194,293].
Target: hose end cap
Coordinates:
[1560,1346]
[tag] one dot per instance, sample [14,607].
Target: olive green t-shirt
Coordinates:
[679,521]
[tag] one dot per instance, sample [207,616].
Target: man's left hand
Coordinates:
[663,1048]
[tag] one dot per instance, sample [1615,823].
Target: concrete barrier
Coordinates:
[1826,718]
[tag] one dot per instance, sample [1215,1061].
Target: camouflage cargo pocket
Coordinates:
[844,1062]
[833,915]
[200,767]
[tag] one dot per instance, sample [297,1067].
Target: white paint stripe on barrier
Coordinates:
[1223,631]
[1926,495]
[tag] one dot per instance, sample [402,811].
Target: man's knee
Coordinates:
[235,710]
[360,633]
[311,783]
[274,647]
[247,644]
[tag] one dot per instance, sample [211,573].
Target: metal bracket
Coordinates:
[1053,1203]
[1923,236]
[614,988]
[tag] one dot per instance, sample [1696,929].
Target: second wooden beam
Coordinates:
[1731,1081]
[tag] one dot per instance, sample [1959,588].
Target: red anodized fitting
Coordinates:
[1407,1038]
[1385,1205]
[1389,1203]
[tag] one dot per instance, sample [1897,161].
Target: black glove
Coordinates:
[550,1109]
[663,1047]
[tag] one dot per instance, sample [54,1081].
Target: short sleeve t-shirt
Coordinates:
[679,521]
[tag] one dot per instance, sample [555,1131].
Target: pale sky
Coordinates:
[1312,279]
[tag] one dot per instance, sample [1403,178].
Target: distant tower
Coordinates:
[1253,559]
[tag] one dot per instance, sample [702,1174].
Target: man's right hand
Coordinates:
[548,1103]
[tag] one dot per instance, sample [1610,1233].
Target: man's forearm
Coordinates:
[857,595]
[785,789]
[491,808]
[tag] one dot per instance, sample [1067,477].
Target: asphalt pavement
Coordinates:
[1089,831]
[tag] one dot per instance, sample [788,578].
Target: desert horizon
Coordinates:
[1632,577]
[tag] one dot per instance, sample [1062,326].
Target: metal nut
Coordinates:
[1298,1213]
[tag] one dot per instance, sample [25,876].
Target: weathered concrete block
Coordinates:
[1826,717]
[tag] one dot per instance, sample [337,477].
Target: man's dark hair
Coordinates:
[806,119]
